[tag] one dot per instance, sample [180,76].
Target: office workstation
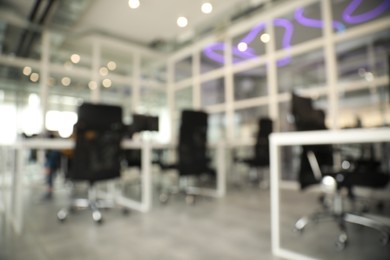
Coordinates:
[231,136]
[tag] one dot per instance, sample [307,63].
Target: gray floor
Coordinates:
[236,227]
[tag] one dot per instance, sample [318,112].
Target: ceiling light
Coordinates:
[207,8]
[242,46]
[182,21]
[92,85]
[65,81]
[75,58]
[34,77]
[106,83]
[265,37]
[134,4]
[27,70]
[111,65]
[103,71]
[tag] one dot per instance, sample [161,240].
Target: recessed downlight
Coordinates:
[106,83]
[27,71]
[75,58]
[134,4]
[182,21]
[111,65]
[66,81]
[242,46]
[206,8]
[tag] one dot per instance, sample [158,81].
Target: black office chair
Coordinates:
[97,154]
[260,158]
[316,167]
[193,160]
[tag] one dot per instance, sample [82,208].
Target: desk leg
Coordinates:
[221,170]
[146,177]
[275,211]
[17,192]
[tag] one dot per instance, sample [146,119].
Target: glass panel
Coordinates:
[363,58]
[115,94]
[302,71]
[301,26]
[183,69]
[212,57]
[152,100]
[63,84]
[154,73]
[67,55]
[216,127]
[115,62]
[250,44]
[213,92]
[19,102]
[246,121]
[352,13]
[250,83]
[183,99]
[365,107]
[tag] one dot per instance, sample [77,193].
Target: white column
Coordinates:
[146,176]
[272,81]
[136,82]
[221,169]
[44,86]
[229,91]
[17,191]
[195,80]
[171,99]
[330,62]
[95,77]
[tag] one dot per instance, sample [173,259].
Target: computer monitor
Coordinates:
[144,123]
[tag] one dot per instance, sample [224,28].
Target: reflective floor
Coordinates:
[236,227]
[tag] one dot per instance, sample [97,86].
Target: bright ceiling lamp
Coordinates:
[75,58]
[134,4]
[265,37]
[27,70]
[207,8]
[182,21]
[242,46]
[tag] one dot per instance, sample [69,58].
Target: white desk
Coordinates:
[16,202]
[277,140]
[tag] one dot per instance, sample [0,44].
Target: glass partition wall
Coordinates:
[337,57]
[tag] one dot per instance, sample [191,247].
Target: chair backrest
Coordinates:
[97,152]
[192,147]
[307,118]
[265,126]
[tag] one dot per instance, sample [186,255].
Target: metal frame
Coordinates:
[278,140]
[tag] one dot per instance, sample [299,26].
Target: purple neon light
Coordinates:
[364,17]
[210,50]
[310,22]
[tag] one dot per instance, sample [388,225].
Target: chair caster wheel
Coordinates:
[61,215]
[341,242]
[163,198]
[97,217]
[190,199]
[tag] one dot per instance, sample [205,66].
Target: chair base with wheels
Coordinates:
[336,212]
[186,188]
[91,202]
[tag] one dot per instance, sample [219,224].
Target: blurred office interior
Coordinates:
[238,61]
